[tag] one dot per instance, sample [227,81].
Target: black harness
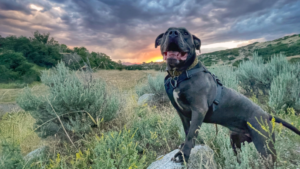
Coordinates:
[172,83]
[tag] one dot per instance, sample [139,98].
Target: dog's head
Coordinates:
[178,48]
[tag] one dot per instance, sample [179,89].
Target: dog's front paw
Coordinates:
[180,146]
[180,157]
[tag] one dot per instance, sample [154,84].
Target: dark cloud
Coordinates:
[132,25]
[14,5]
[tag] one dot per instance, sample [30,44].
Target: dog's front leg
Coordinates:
[186,122]
[197,119]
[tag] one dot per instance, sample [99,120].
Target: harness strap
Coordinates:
[176,80]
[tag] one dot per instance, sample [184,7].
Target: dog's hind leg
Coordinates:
[236,140]
[264,143]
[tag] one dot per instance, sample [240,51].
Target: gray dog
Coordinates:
[198,97]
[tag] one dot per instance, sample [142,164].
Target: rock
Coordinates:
[201,157]
[145,98]
[9,107]
[35,153]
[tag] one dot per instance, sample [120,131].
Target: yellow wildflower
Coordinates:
[255,129]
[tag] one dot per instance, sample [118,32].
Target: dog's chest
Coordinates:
[176,93]
[180,101]
[177,98]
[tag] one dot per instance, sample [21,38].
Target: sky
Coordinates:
[126,29]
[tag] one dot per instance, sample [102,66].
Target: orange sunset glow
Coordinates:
[155,59]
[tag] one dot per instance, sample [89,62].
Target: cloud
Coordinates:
[126,29]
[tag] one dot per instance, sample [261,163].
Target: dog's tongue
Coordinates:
[174,55]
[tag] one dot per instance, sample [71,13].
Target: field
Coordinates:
[133,139]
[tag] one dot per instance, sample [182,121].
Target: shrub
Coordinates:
[237,63]
[118,150]
[227,76]
[11,157]
[254,75]
[249,73]
[155,131]
[155,86]
[285,90]
[72,103]
[231,58]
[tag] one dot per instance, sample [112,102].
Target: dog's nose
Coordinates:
[173,34]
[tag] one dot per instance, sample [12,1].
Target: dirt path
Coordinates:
[291,57]
[8,107]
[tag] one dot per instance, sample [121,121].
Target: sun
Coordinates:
[155,59]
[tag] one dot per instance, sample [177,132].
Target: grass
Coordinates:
[125,79]
[8,92]
[145,133]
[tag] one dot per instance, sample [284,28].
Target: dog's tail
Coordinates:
[286,124]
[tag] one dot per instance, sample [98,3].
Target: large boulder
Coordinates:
[201,157]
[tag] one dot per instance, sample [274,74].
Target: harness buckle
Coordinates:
[216,102]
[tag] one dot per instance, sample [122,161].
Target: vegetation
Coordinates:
[154,86]
[72,104]
[278,78]
[14,67]
[281,45]
[287,50]
[19,56]
[207,60]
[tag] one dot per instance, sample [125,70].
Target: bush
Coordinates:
[285,90]
[72,103]
[155,86]
[227,76]
[152,127]
[231,58]
[249,73]
[118,150]
[254,75]
[237,63]
[11,157]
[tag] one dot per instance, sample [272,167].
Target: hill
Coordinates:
[288,45]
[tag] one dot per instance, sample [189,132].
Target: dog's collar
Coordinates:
[177,73]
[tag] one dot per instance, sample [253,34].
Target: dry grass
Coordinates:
[125,79]
[9,95]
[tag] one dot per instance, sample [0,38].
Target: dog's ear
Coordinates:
[158,40]
[197,42]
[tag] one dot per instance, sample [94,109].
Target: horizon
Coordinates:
[126,30]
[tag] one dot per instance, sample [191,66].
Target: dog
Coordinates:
[198,96]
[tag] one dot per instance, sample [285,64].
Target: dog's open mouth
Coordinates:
[174,52]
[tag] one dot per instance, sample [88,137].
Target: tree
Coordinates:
[43,38]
